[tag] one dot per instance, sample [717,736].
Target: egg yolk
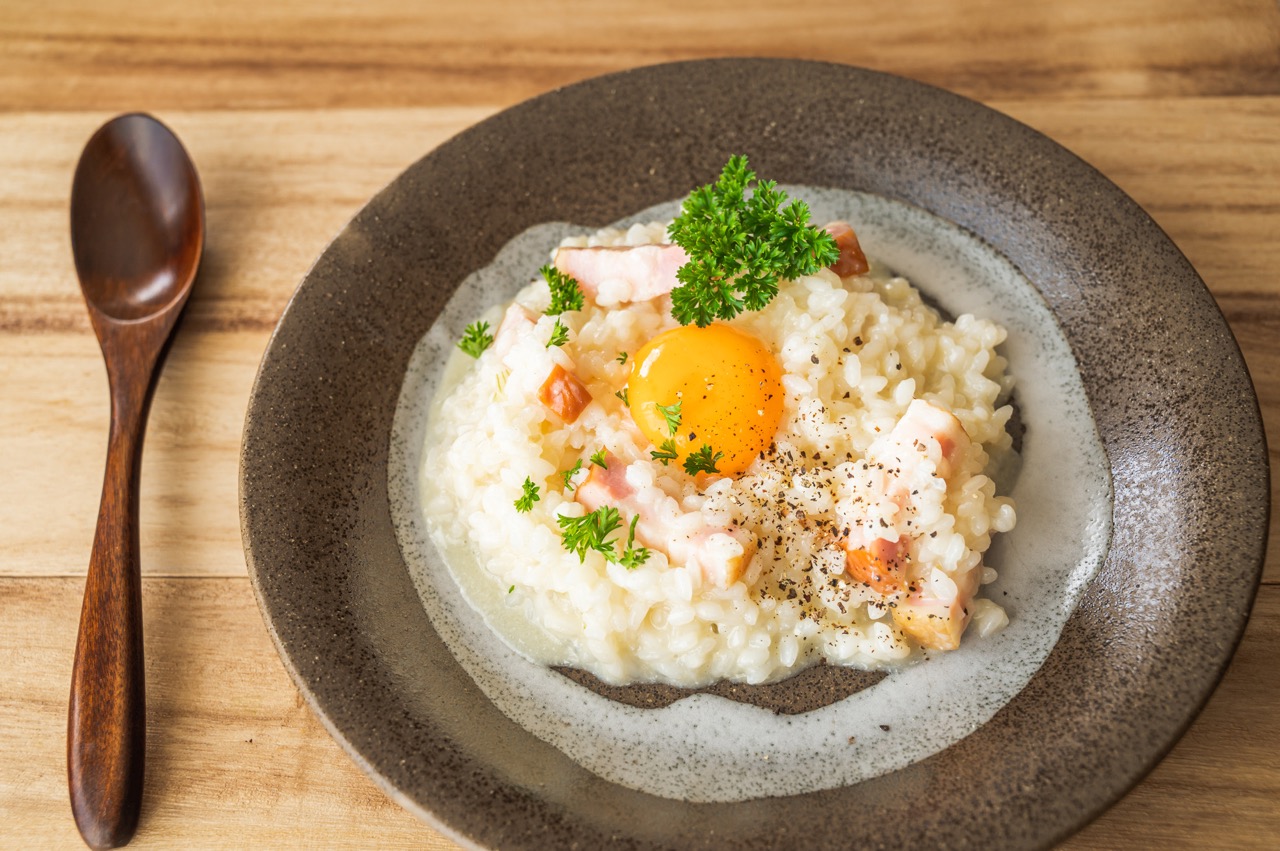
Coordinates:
[728,386]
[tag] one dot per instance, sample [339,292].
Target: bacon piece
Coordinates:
[606,485]
[937,618]
[720,553]
[564,394]
[516,322]
[879,564]
[633,273]
[852,261]
[925,425]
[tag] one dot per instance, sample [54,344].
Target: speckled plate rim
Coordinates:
[1171,395]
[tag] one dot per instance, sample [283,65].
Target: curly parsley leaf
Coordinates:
[632,556]
[622,358]
[670,413]
[529,497]
[566,292]
[666,453]
[739,247]
[476,338]
[598,458]
[569,474]
[590,532]
[622,394]
[559,335]
[702,461]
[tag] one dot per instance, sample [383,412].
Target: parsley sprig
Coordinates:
[739,247]
[600,458]
[476,338]
[671,413]
[566,293]
[568,475]
[529,497]
[702,461]
[559,335]
[666,453]
[632,557]
[591,531]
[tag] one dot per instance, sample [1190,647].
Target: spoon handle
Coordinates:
[106,721]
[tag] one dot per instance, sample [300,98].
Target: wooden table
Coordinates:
[295,114]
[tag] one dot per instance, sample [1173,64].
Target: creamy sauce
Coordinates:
[480,588]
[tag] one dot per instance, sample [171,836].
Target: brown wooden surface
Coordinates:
[296,113]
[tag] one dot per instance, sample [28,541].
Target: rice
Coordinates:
[855,353]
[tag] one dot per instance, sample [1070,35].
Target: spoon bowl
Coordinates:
[137,219]
[137,233]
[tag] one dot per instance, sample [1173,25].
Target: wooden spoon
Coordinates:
[137,232]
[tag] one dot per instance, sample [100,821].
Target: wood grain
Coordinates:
[234,757]
[296,113]
[115,54]
[236,760]
[278,186]
[53,437]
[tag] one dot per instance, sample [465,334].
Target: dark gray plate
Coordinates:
[1172,400]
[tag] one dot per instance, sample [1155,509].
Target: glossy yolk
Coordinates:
[729,387]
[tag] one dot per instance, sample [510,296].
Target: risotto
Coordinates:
[799,483]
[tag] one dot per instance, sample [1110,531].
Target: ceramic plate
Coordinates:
[1157,370]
